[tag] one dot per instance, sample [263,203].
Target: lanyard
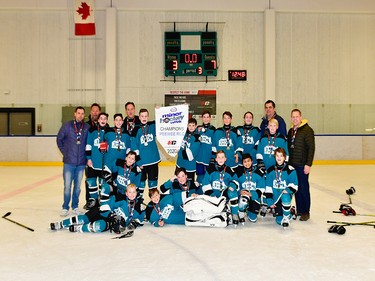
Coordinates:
[131,205]
[145,133]
[248,175]
[158,211]
[130,125]
[294,136]
[118,138]
[78,132]
[279,174]
[127,172]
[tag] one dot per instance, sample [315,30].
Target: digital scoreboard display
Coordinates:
[190,53]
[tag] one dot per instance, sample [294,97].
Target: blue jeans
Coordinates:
[302,196]
[72,174]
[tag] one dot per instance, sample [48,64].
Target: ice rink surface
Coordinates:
[255,251]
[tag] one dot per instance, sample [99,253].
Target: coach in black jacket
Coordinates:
[301,145]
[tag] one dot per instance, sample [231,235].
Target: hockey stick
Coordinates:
[8,214]
[369,223]
[126,235]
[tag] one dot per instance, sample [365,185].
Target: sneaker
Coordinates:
[285,221]
[76,211]
[55,225]
[64,213]
[305,217]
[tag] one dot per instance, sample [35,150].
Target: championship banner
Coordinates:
[171,124]
[84,17]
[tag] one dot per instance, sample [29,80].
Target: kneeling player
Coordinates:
[220,180]
[160,210]
[252,185]
[281,184]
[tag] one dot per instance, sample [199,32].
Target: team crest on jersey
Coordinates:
[97,142]
[167,211]
[123,181]
[205,139]
[224,142]
[269,149]
[278,184]
[247,140]
[116,144]
[147,138]
[249,185]
[218,185]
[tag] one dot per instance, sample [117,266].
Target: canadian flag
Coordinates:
[84,17]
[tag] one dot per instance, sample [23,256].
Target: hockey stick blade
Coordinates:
[7,214]
[126,235]
[17,223]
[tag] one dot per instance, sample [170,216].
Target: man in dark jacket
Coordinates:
[71,140]
[301,145]
[269,107]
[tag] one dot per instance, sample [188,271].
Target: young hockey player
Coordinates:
[252,186]
[189,150]
[96,149]
[120,175]
[119,216]
[180,188]
[248,135]
[225,139]
[143,142]
[281,184]
[118,141]
[160,210]
[267,145]
[205,131]
[221,180]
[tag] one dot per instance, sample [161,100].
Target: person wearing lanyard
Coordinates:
[189,150]
[131,120]
[301,144]
[71,141]
[267,144]
[95,154]
[221,180]
[269,107]
[225,138]
[281,184]
[118,141]
[160,210]
[143,143]
[252,185]
[180,187]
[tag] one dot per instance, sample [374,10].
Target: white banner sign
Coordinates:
[171,124]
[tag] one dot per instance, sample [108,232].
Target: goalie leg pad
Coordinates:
[210,220]
[204,204]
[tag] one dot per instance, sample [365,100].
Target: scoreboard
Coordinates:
[190,53]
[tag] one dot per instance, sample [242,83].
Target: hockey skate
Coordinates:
[263,210]
[55,226]
[241,216]
[285,221]
[235,220]
[293,213]
[75,228]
